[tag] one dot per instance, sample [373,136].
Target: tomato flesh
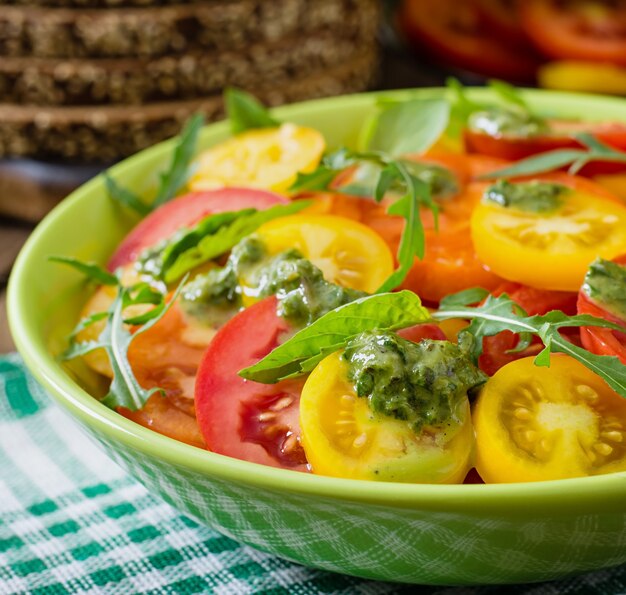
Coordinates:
[244,419]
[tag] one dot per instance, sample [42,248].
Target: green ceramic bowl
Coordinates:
[428,534]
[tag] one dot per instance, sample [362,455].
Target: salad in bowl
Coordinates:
[346,311]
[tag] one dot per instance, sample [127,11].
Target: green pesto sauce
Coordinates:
[420,383]
[506,122]
[533,197]
[302,292]
[441,181]
[605,283]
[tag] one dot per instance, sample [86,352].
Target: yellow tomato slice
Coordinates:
[268,158]
[349,254]
[536,423]
[549,250]
[342,437]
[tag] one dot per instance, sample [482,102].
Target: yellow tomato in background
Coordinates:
[537,423]
[549,250]
[268,158]
[349,254]
[342,437]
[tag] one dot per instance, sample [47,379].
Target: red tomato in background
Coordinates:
[535,302]
[453,32]
[500,18]
[513,148]
[593,31]
[244,419]
[602,341]
[185,212]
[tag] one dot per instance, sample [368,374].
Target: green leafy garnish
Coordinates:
[175,176]
[409,126]
[551,160]
[497,314]
[115,338]
[124,196]
[245,112]
[300,354]
[605,284]
[212,236]
[392,172]
[91,270]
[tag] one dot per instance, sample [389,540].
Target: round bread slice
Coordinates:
[47,81]
[106,133]
[156,31]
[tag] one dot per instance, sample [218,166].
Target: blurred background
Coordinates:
[85,83]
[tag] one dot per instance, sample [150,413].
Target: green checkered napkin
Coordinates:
[71,521]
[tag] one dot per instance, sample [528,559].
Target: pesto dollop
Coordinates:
[420,383]
[534,197]
[302,292]
[605,283]
[507,122]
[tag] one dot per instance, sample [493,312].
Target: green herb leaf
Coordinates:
[175,177]
[115,339]
[497,314]
[212,236]
[246,112]
[389,311]
[124,196]
[317,180]
[409,127]
[509,94]
[91,270]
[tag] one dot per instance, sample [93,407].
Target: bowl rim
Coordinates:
[556,495]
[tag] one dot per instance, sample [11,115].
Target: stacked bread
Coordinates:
[96,80]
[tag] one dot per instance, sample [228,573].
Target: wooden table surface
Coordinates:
[399,69]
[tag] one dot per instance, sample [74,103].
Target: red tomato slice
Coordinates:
[422,331]
[513,148]
[593,31]
[535,302]
[453,33]
[602,341]
[501,18]
[243,419]
[184,212]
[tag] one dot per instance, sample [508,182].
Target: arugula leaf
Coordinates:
[409,127]
[115,339]
[91,270]
[245,112]
[175,177]
[551,160]
[301,353]
[124,196]
[209,238]
[497,314]
[391,172]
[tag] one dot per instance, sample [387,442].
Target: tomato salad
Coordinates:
[404,312]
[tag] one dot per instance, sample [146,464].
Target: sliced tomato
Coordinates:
[551,250]
[343,438]
[185,212]
[501,19]
[244,419]
[422,331]
[268,158]
[602,341]
[453,32]
[535,302]
[584,30]
[561,136]
[540,423]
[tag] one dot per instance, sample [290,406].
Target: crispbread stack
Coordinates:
[97,80]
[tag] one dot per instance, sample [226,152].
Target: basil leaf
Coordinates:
[245,112]
[497,314]
[212,236]
[509,94]
[124,196]
[317,180]
[91,270]
[175,177]
[389,311]
[409,127]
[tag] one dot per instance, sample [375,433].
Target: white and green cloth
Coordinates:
[71,521]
